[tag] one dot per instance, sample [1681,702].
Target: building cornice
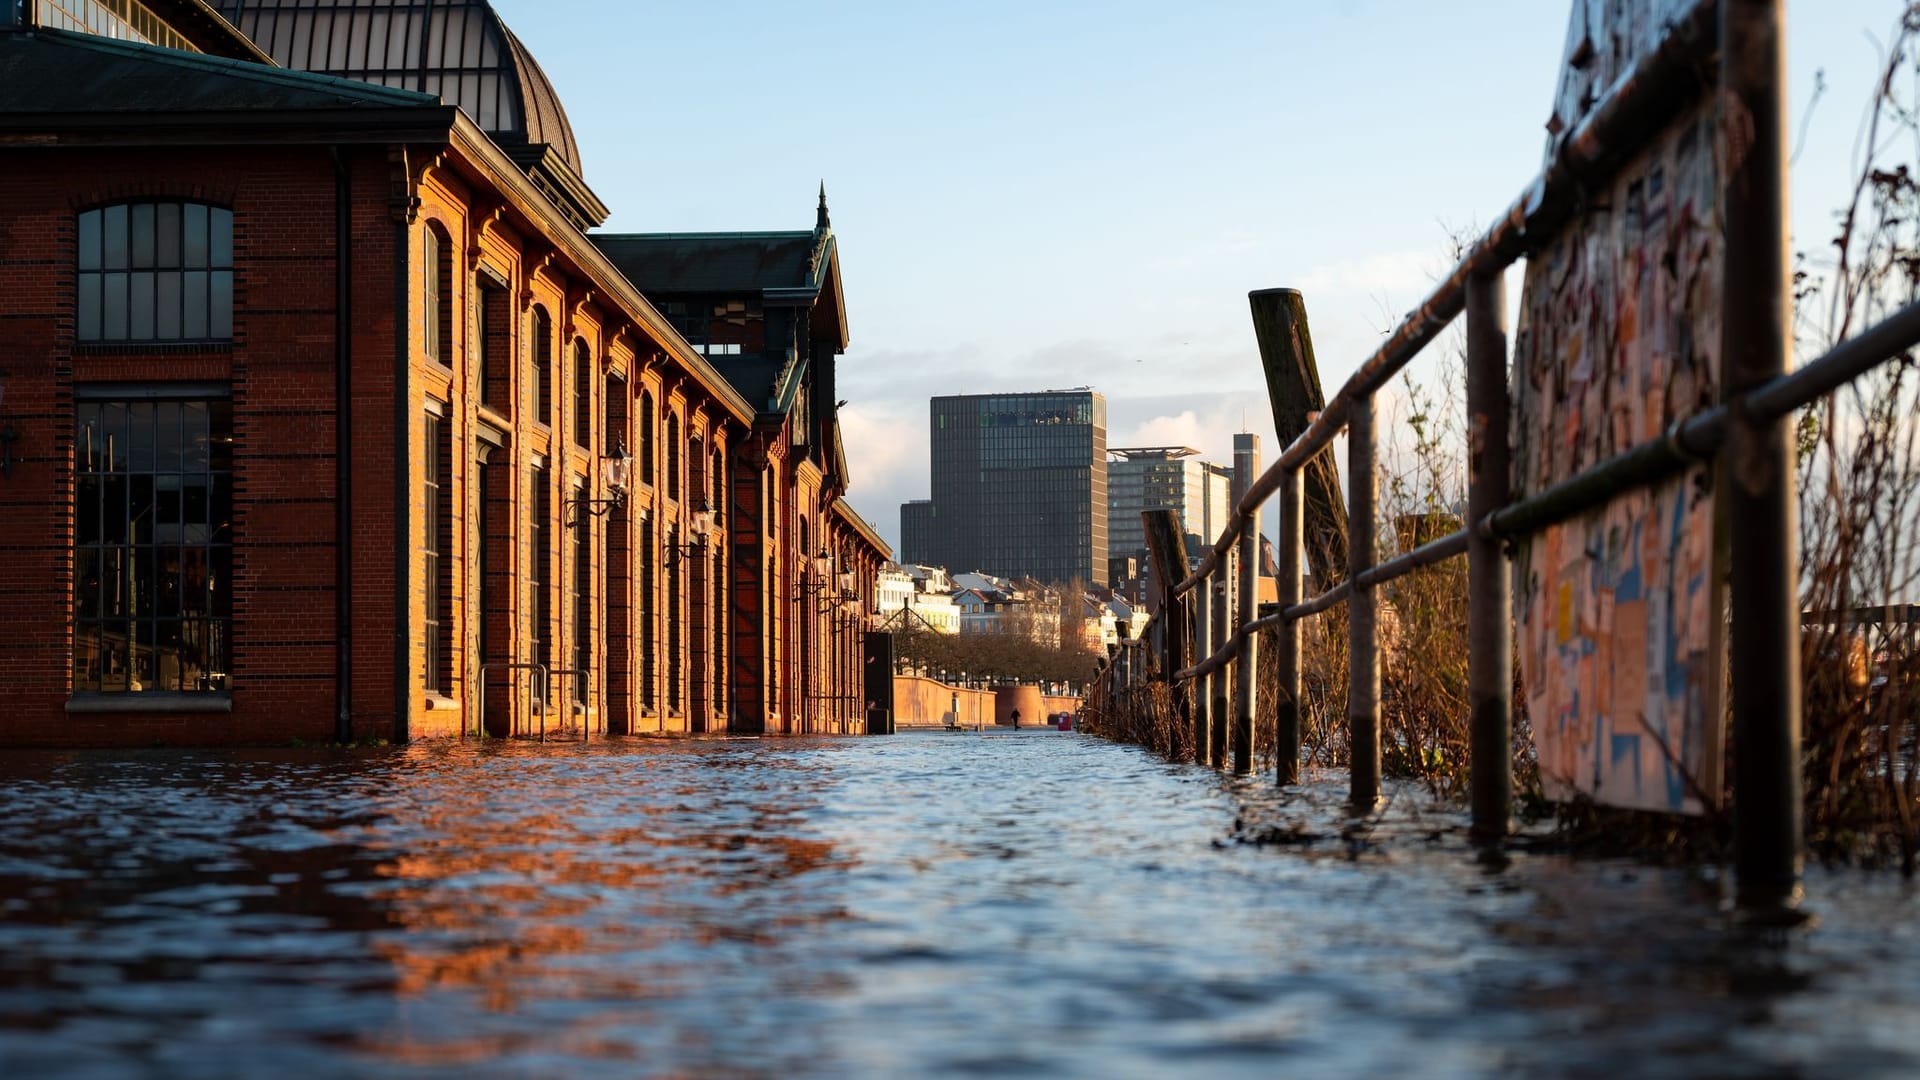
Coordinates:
[526,199]
[861,527]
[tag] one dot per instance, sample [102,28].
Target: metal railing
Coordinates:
[1742,38]
[538,693]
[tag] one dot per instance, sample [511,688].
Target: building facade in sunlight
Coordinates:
[325,416]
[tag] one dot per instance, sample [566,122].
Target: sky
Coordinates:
[1051,194]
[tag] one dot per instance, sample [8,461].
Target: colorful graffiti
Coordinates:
[1619,335]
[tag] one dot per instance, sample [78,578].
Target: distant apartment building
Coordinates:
[1029,609]
[909,597]
[1019,487]
[1163,478]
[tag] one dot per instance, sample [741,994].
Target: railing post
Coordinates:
[1203,720]
[1218,688]
[1754,328]
[1363,655]
[1489,573]
[1286,653]
[1246,469]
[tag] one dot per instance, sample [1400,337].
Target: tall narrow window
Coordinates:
[542,560]
[676,662]
[153,545]
[582,394]
[719,635]
[715,474]
[154,272]
[649,609]
[437,310]
[496,347]
[582,603]
[647,452]
[436,522]
[543,364]
[673,455]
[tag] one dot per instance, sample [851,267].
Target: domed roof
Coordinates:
[459,50]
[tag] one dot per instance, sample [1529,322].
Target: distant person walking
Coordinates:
[1016,719]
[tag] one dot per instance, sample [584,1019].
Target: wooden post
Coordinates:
[1755,318]
[1363,645]
[1168,555]
[1246,469]
[1205,642]
[1286,661]
[1489,570]
[1293,390]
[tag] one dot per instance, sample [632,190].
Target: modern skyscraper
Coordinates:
[1019,487]
[1163,478]
[916,532]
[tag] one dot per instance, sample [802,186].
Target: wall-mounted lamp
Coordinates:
[820,574]
[702,523]
[616,471]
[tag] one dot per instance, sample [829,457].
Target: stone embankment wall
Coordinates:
[923,702]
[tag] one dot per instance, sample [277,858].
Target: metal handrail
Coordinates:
[1654,91]
[544,685]
[1684,443]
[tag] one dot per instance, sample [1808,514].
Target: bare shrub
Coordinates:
[1859,473]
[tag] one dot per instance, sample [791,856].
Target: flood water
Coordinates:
[1031,904]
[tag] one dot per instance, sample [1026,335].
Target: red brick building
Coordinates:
[323,416]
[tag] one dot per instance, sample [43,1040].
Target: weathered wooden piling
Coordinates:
[1293,392]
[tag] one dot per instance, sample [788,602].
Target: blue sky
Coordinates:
[1050,194]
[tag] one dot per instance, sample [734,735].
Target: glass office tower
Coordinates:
[1019,487]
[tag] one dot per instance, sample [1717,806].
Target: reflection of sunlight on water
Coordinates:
[918,905]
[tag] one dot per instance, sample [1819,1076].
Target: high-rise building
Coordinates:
[1019,487]
[1163,478]
[916,532]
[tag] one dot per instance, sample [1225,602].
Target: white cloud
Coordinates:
[1393,276]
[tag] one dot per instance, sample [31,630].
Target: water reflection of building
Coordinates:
[325,401]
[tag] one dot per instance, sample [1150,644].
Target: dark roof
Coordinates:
[458,50]
[754,377]
[777,267]
[683,264]
[55,72]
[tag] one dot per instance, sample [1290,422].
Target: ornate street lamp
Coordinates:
[616,470]
[702,524]
[820,575]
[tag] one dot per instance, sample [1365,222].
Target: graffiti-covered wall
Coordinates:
[1619,333]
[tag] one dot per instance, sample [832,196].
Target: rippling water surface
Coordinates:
[1032,904]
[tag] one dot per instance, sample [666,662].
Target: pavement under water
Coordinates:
[1030,904]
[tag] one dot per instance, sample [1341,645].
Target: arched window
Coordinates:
[719,618]
[438,306]
[543,364]
[673,456]
[647,452]
[155,271]
[582,394]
